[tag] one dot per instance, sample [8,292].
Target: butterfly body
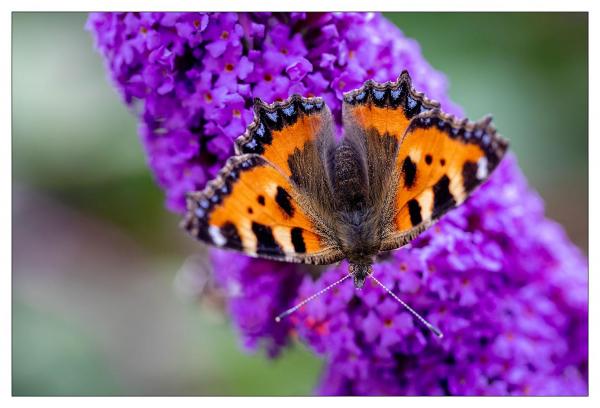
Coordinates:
[359,226]
[292,193]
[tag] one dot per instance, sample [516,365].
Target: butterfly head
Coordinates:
[359,272]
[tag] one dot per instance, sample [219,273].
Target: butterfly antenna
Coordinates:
[308,299]
[430,326]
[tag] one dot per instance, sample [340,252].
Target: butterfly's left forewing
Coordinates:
[440,162]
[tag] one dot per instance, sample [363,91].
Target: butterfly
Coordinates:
[292,193]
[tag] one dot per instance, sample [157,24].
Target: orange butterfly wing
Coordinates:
[253,206]
[440,162]
[385,109]
[282,128]
[421,162]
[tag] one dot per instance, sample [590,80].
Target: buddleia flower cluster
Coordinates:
[505,284]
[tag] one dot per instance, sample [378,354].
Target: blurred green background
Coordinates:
[103,302]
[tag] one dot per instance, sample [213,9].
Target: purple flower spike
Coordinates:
[503,283]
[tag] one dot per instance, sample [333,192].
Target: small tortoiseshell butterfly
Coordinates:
[291,193]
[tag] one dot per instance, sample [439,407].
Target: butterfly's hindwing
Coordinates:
[375,119]
[296,136]
[385,109]
[263,202]
[283,128]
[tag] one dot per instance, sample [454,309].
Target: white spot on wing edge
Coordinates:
[482,168]
[283,237]
[425,200]
[217,237]
[456,185]
[249,241]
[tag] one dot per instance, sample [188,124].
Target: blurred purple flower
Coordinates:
[504,284]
